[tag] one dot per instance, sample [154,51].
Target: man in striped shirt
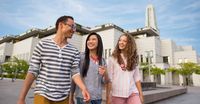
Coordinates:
[54,63]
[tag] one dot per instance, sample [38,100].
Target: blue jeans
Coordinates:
[80,101]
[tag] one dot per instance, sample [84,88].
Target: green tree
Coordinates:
[143,66]
[16,66]
[173,69]
[9,68]
[186,70]
[197,69]
[175,75]
[145,69]
[1,72]
[22,67]
[157,72]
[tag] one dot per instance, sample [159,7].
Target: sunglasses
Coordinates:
[73,26]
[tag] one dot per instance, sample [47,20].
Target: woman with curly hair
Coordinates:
[124,72]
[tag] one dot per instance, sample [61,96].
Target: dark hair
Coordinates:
[130,53]
[87,53]
[62,19]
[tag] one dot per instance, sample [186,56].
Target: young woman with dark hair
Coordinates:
[92,69]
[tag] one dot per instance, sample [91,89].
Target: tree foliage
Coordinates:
[197,69]
[15,66]
[187,68]
[172,69]
[157,71]
[144,66]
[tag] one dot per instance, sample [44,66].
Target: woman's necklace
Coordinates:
[95,59]
[123,65]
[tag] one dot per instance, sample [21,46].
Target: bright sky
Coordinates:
[178,20]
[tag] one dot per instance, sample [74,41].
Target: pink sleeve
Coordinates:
[136,74]
[110,68]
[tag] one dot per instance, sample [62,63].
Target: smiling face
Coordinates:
[92,42]
[122,42]
[68,28]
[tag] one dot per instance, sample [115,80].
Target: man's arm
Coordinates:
[27,84]
[71,96]
[33,71]
[77,79]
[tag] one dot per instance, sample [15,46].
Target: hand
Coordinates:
[71,99]
[21,102]
[86,95]
[109,100]
[102,70]
[141,98]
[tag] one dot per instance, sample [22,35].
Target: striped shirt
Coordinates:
[123,82]
[53,67]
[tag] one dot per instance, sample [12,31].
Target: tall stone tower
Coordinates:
[151,17]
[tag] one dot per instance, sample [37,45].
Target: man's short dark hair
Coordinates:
[63,19]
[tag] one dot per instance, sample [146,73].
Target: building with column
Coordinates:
[162,53]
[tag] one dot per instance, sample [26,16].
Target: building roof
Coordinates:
[146,30]
[29,33]
[106,27]
[41,33]
[7,39]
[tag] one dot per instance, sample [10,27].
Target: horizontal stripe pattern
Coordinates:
[54,66]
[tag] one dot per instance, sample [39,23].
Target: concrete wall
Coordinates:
[6,49]
[187,48]
[49,37]
[108,41]
[185,56]
[76,40]
[168,78]
[23,49]
[196,79]
[150,44]
[167,49]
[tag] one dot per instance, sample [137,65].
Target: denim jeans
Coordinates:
[80,101]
